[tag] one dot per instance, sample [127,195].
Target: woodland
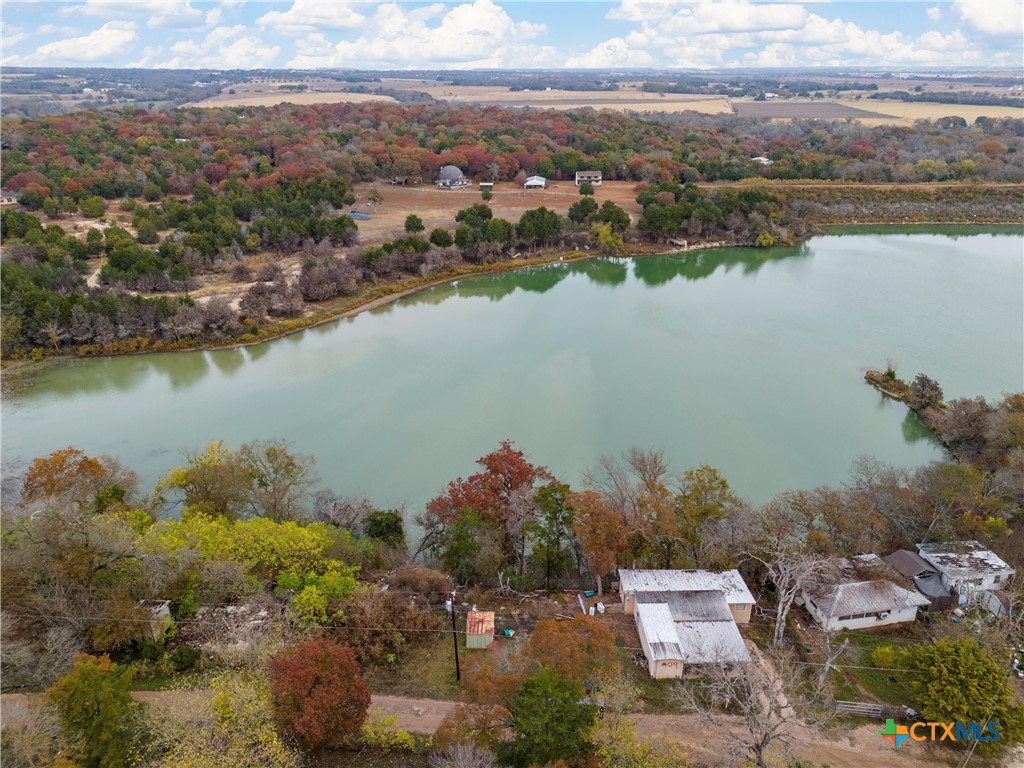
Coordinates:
[180,195]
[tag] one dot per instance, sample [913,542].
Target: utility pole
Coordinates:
[455,642]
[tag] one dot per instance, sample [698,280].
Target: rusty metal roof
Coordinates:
[958,559]
[728,582]
[480,623]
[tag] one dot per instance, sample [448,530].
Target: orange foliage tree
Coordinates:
[579,650]
[600,530]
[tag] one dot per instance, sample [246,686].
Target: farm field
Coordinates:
[905,113]
[270,95]
[790,109]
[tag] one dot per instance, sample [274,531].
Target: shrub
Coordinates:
[387,610]
[184,659]
[883,656]
[381,732]
[425,582]
[319,697]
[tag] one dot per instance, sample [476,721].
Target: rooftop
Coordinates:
[863,597]
[963,558]
[450,173]
[909,564]
[730,583]
[480,623]
[700,605]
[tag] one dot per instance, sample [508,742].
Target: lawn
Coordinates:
[427,670]
[890,686]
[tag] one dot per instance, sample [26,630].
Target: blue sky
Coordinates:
[235,34]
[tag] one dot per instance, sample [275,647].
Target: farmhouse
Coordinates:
[967,567]
[451,177]
[729,583]
[535,182]
[763,160]
[8,198]
[922,574]
[594,177]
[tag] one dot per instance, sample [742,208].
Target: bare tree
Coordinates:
[789,569]
[467,755]
[765,706]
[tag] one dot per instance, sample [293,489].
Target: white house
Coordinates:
[680,632]
[594,177]
[861,604]
[967,567]
[737,596]
[763,160]
[535,182]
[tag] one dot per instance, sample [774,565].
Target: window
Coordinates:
[997,579]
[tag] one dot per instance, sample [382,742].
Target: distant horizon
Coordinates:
[504,35]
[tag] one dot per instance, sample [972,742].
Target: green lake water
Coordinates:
[748,360]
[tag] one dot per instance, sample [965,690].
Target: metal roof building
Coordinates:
[967,567]
[912,566]
[730,583]
[479,629]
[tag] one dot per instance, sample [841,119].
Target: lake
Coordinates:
[749,360]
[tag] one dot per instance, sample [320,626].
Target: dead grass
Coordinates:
[271,96]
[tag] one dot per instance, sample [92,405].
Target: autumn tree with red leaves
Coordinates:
[578,650]
[319,697]
[502,496]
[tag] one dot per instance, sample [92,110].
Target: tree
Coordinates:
[586,189]
[924,393]
[789,570]
[97,711]
[581,211]
[613,214]
[704,497]
[502,495]
[958,681]
[600,530]
[761,707]
[606,238]
[576,650]
[441,238]
[233,729]
[554,528]
[318,695]
[373,197]
[549,721]
[69,475]
[386,526]
[413,224]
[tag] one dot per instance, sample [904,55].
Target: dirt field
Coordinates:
[270,97]
[790,109]
[905,113]
[437,207]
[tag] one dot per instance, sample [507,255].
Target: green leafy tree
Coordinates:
[581,211]
[613,214]
[413,224]
[586,189]
[97,711]
[959,681]
[387,526]
[549,720]
[441,237]
[318,694]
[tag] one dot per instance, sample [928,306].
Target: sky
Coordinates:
[312,34]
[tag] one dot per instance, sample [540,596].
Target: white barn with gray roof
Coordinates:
[737,596]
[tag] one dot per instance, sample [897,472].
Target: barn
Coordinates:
[452,177]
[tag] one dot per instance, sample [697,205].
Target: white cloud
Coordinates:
[934,13]
[112,39]
[612,53]
[643,10]
[158,13]
[308,16]
[222,48]
[477,34]
[11,35]
[993,17]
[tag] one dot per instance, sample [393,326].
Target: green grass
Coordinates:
[427,671]
[890,686]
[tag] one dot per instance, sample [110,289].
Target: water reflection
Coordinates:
[229,361]
[915,430]
[699,265]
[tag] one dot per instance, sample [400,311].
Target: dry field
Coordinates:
[790,109]
[269,98]
[437,207]
[622,100]
[905,113]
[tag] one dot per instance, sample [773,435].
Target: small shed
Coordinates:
[159,617]
[535,182]
[486,185]
[479,629]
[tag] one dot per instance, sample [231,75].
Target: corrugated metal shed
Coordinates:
[655,623]
[700,605]
[963,559]
[863,597]
[704,642]
[479,629]
[728,582]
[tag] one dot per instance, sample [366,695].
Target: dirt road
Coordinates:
[861,748]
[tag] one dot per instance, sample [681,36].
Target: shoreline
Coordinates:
[21,369]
